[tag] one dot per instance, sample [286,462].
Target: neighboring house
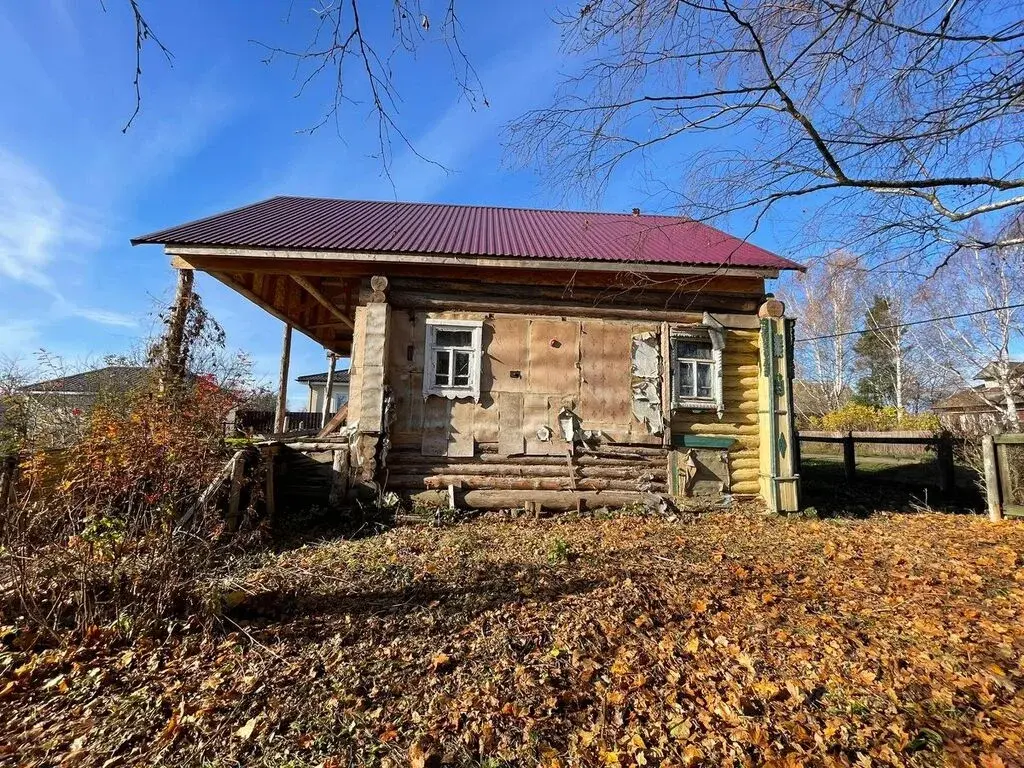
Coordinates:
[514,357]
[317,383]
[56,404]
[982,409]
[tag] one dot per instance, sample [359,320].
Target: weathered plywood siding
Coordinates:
[531,369]
[740,420]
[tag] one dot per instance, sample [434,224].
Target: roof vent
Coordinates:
[636,211]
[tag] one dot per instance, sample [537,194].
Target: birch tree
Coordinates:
[825,299]
[989,283]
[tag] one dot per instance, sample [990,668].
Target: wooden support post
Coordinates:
[235,497]
[270,457]
[947,468]
[849,458]
[281,413]
[988,452]
[8,480]
[328,389]
[339,477]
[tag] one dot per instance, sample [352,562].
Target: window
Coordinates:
[453,358]
[697,369]
[694,368]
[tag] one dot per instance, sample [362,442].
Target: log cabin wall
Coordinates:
[549,350]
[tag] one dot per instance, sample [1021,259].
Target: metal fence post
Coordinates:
[988,452]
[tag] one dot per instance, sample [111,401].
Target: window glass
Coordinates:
[449,338]
[442,367]
[685,378]
[703,379]
[694,350]
[460,377]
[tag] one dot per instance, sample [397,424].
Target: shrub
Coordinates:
[855,417]
[92,537]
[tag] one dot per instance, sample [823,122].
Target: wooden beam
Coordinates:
[315,292]
[281,413]
[341,346]
[328,388]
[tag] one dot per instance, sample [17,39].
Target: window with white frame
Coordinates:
[452,360]
[697,371]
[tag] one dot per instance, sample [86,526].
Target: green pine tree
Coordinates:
[874,358]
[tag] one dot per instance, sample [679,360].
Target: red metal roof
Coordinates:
[464,230]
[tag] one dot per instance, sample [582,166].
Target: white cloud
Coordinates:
[36,223]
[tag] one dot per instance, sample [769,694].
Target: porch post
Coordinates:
[779,470]
[328,388]
[281,412]
[367,382]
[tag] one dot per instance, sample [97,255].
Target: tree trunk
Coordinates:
[172,366]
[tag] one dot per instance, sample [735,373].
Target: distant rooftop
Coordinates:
[340,377]
[363,226]
[112,377]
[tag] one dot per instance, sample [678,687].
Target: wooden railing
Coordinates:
[942,444]
[262,422]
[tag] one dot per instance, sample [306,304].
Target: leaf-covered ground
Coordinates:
[730,640]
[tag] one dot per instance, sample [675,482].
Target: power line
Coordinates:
[912,322]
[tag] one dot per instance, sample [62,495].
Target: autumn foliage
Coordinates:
[92,538]
[732,639]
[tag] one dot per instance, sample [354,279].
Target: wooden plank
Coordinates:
[460,429]
[536,416]
[505,354]
[436,418]
[554,357]
[510,424]
[1010,439]
[326,303]
[605,376]
[988,450]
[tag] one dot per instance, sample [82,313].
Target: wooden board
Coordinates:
[436,420]
[505,344]
[510,424]
[537,413]
[605,376]
[460,428]
[554,357]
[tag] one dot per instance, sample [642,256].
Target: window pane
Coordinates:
[461,377]
[694,350]
[703,380]
[448,338]
[442,364]
[686,379]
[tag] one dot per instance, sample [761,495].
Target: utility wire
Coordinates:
[912,322]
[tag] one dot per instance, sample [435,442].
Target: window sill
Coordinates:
[695,405]
[454,394]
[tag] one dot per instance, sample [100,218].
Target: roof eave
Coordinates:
[184,251]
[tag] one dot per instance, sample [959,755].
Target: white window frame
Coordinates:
[715,400]
[472,390]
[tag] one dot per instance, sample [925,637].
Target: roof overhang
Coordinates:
[198,252]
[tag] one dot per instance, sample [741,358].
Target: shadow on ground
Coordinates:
[883,486]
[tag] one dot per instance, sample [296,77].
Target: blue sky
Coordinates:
[220,128]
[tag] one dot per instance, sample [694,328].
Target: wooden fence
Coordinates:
[1004,475]
[262,422]
[921,441]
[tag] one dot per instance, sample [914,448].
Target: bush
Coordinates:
[92,537]
[855,417]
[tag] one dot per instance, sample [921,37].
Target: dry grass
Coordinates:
[731,640]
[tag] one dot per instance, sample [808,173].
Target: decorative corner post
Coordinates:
[779,471]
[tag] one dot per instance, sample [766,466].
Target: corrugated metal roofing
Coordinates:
[463,230]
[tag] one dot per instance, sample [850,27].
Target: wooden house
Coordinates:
[515,357]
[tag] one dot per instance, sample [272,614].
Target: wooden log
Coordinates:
[226,471]
[235,496]
[995,507]
[325,407]
[457,303]
[554,500]
[525,470]
[409,482]
[172,367]
[281,411]
[409,458]
[339,478]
